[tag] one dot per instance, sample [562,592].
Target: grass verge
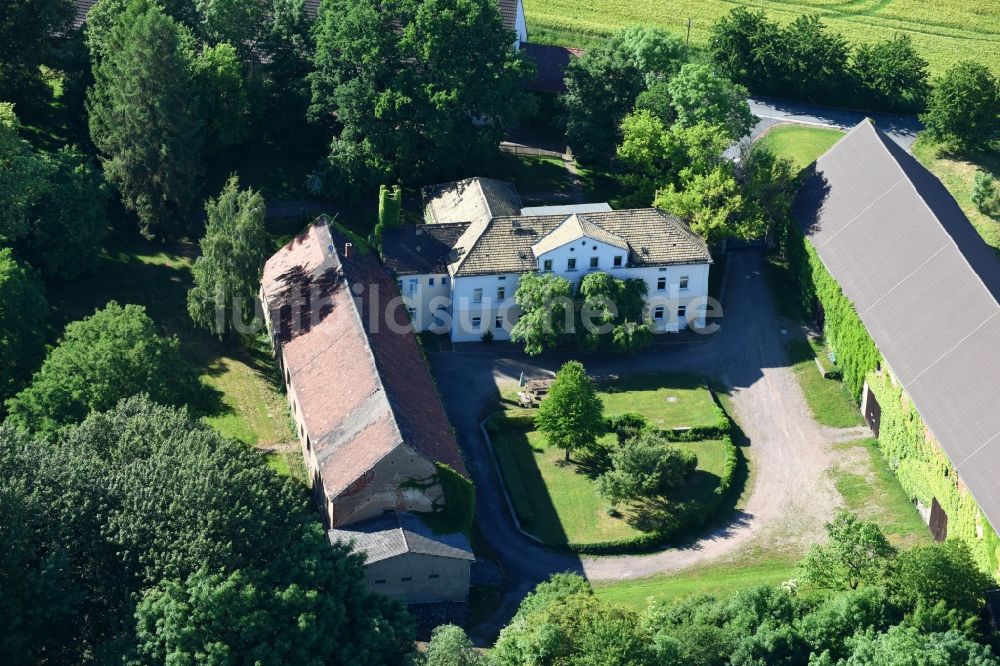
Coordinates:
[828,399]
[957,174]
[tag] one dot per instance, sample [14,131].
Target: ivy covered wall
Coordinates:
[925,472]
[922,468]
[856,352]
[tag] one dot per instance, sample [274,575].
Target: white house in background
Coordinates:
[459,273]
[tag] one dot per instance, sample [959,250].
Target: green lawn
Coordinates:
[559,503]
[801,144]
[957,174]
[868,487]
[246,402]
[943,31]
[667,401]
[717,579]
[828,400]
[871,490]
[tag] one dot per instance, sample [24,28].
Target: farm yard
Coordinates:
[944,32]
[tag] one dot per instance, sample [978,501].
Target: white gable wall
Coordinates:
[520,26]
[583,250]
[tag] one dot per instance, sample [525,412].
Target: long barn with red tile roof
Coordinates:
[373,431]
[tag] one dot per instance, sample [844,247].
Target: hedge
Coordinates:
[505,459]
[460,498]
[925,472]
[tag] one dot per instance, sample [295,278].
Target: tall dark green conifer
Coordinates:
[143,118]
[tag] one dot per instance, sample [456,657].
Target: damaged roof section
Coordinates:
[352,359]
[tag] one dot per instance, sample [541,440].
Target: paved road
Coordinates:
[770,112]
[789,453]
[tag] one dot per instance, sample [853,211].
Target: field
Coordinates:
[943,31]
[801,144]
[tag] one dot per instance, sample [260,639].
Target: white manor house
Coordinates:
[459,272]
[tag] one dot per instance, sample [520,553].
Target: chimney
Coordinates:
[348,250]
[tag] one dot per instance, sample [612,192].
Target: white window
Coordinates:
[593,262]
[681,313]
[661,284]
[658,312]
[501,293]
[430,282]
[477,295]
[413,286]
[499,322]
[547,265]
[684,282]
[618,260]
[571,264]
[477,322]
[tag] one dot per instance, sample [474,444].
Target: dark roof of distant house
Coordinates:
[360,380]
[393,534]
[508,11]
[420,249]
[550,66]
[926,287]
[470,200]
[83,8]
[504,244]
[312,8]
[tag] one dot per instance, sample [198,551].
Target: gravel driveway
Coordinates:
[789,453]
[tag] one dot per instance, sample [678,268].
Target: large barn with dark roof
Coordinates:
[927,288]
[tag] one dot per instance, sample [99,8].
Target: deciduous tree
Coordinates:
[570,416]
[700,95]
[546,304]
[857,553]
[647,467]
[28,31]
[891,74]
[233,250]
[416,89]
[963,109]
[113,354]
[23,314]
[142,119]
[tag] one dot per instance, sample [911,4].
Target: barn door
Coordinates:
[873,412]
[939,521]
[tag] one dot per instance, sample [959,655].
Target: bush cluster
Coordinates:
[805,61]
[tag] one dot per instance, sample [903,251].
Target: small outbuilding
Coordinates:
[406,560]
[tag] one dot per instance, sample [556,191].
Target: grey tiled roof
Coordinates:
[654,238]
[83,8]
[393,534]
[508,11]
[420,249]
[926,287]
[470,200]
